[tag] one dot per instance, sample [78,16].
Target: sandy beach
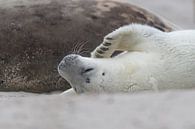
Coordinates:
[164,110]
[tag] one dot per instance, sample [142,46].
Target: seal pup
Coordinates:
[152,60]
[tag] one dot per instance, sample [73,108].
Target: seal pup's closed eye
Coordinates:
[153,60]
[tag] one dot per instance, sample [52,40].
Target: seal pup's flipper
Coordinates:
[126,38]
[106,48]
[69,92]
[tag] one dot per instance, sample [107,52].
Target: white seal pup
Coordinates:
[152,60]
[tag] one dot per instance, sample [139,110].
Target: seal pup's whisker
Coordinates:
[81,47]
[84,51]
[76,47]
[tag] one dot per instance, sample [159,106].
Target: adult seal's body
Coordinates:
[152,60]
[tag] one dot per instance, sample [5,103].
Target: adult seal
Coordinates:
[152,60]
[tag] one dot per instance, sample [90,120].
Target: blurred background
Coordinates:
[180,12]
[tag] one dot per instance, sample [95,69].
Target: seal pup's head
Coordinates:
[94,74]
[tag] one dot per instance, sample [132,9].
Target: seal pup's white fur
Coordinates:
[153,60]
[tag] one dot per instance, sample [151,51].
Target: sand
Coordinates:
[165,110]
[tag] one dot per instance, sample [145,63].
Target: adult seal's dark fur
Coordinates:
[35,36]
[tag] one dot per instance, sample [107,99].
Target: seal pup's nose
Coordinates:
[70,57]
[67,61]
